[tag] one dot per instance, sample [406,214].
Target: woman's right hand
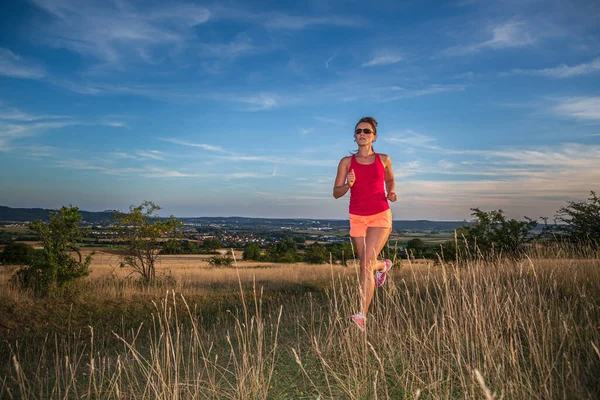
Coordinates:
[350,178]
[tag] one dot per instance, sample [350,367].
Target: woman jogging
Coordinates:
[370,179]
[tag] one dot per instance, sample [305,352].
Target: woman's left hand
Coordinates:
[392,196]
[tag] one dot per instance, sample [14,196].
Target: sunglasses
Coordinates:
[365,131]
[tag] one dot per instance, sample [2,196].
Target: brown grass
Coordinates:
[509,330]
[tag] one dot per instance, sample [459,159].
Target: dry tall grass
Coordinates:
[512,329]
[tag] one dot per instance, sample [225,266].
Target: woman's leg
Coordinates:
[368,248]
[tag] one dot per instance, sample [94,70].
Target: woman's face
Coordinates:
[364,134]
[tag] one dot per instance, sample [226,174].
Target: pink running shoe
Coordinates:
[360,320]
[381,275]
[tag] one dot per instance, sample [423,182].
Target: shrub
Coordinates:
[316,254]
[19,254]
[221,261]
[55,265]
[251,252]
[489,236]
[580,221]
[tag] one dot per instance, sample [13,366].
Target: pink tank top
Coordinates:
[367,195]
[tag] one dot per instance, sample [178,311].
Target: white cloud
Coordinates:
[151,154]
[507,35]
[260,102]
[411,138]
[245,175]
[240,45]
[445,164]
[581,108]
[14,114]
[383,57]
[204,146]
[110,32]
[330,59]
[14,66]
[563,71]
[18,131]
[399,93]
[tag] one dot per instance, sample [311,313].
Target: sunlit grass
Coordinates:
[511,329]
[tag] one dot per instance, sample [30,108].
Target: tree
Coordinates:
[56,265]
[415,247]
[316,253]
[251,252]
[285,251]
[140,230]
[490,235]
[580,221]
[175,246]
[341,251]
[211,244]
[19,254]
[415,244]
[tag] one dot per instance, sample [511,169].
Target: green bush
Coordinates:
[56,265]
[490,236]
[221,261]
[252,252]
[19,254]
[579,221]
[316,254]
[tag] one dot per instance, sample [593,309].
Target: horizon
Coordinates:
[247,108]
[239,216]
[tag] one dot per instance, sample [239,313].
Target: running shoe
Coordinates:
[360,320]
[381,275]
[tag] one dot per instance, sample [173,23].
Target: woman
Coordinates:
[370,179]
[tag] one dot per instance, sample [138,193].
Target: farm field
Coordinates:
[511,329]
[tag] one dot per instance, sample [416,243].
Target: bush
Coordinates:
[221,261]
[251,252]
[19,254]
[180,247]
[580,221]
[55,265]
[316,254]
[285,251]
[490,236]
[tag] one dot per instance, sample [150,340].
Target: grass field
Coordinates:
[510,329]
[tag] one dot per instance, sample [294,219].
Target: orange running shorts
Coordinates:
[360,223]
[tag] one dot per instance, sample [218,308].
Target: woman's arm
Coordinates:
[340,187]
[390,183]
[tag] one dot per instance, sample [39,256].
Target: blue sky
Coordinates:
[245,108]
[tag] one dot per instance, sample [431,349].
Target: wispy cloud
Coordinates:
[563,71]
[395,93]
[260,102]
[240,45]
[580,108]
[506,35]
[383,57]
[151,154]
[14,114]
[15,66]
[120,30]
[244,175]
[330,59]
[204,146]
[412,139]
[24,130]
